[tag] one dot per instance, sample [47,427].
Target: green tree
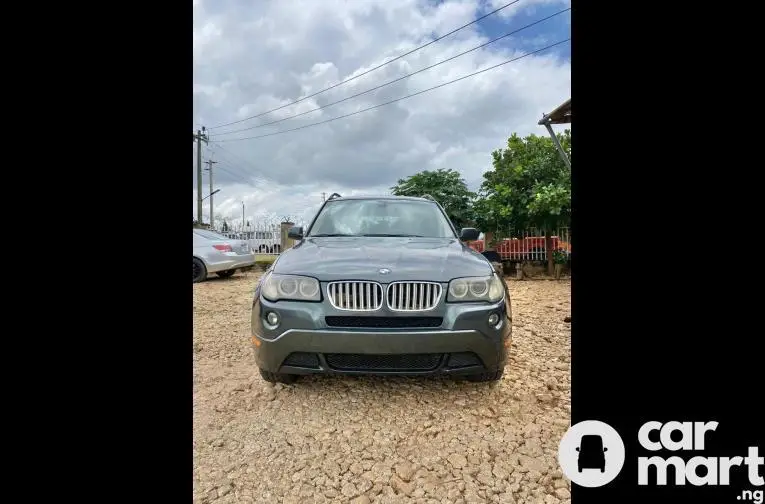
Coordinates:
[446,186]
[529,186]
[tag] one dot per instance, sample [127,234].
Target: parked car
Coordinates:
[381,286]
[214,253]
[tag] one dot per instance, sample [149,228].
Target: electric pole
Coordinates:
[210,162]
[242,216]
[200,137]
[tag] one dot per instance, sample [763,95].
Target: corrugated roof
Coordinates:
[561,115]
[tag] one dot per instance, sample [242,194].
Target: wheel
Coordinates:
[200,272]
[491,376]
[226,274]
[277,377]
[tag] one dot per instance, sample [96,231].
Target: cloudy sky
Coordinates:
[252,57]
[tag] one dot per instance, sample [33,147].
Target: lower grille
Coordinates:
[302,359]
[384,322]
[463,359]
[371,362]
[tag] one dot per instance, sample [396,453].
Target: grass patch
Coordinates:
[264,260]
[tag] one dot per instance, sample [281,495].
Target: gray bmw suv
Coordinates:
[381,285]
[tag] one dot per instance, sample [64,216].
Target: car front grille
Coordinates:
[355,296]
[384,362]
[383,322]
[413,296]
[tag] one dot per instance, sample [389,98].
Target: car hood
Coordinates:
[361,258]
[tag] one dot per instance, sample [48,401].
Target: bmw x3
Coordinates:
[381,285]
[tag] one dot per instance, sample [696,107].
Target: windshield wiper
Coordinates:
[326,235]
[395,235]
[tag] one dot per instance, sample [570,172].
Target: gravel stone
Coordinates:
[371,440]
[563,493]
[405,471]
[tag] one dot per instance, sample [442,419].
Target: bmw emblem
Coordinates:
[383,271]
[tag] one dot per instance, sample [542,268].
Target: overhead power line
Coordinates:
[399,99]
[254,178]
[371,69]
[399,78]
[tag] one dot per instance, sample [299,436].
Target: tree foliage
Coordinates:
[446,186]
[529,186]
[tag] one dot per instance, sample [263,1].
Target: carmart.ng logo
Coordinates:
[591,454]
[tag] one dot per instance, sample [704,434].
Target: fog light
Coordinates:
[493,319]
[272,318]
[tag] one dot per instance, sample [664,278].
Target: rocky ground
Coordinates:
[379,440]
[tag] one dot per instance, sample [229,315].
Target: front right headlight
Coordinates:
[474,289]
[290,287]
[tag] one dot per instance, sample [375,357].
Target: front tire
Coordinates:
[226,274]
[200,271]
[491,376]
[277,377]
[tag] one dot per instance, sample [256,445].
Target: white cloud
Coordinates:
[250,57]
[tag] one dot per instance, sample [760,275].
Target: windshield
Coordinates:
[382,218]
[592,443]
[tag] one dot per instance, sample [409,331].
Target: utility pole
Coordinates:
[242,216]
[210,162]
[200,137]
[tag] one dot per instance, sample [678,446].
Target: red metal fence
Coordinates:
[530,246]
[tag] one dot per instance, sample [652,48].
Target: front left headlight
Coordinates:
[473,289]
[290,287]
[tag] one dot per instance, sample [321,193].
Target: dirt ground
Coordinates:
[379,440]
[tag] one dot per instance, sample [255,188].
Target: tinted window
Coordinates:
[382,217]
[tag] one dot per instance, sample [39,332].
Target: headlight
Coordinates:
[292,287]
[488,288]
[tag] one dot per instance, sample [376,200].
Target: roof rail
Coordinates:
[334,196]
[428,196]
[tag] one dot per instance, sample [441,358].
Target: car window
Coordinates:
[382,217]
[209,234]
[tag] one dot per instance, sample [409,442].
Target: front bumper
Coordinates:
[304,343]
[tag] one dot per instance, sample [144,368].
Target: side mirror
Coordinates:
[295,232]
[469,234]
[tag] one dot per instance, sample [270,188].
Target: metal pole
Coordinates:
[558,145]
[199,177]
[242,216]
[210,162]
[200,138]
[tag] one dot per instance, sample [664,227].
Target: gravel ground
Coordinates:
[379,440]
